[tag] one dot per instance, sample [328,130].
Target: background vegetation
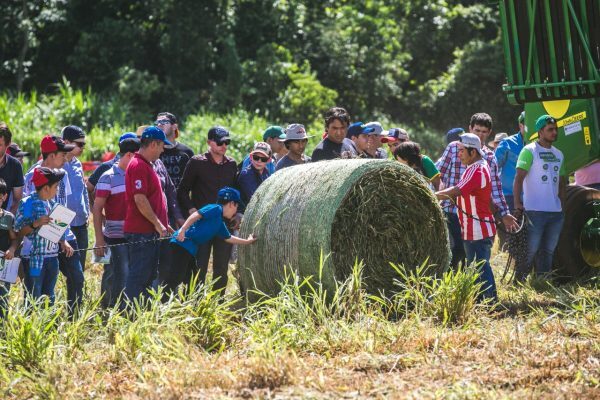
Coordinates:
[426,65]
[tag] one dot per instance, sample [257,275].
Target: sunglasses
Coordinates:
[80,145]
[163,122]
[256,157]
[226,142]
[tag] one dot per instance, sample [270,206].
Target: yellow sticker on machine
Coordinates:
[586,136]
[573,118]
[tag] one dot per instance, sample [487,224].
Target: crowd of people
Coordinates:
[160,211]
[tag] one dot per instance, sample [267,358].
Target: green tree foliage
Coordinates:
[426,63]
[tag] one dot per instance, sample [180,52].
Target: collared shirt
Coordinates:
[328,150]
[286,161]
[474,214]
[249,180]
[203,178]
[140,178]
[111,187]
[77,200]
[35,247]
[64,190]
[451,169]
[507,154]
[102,168]
[205,229]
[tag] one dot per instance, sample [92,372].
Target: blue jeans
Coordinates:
[37,286]
[456,241]
[81,236]
[115,273]
[70,267]
[477,251]
[143,264]
[543,232]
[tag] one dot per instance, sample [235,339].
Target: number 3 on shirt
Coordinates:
[138,184]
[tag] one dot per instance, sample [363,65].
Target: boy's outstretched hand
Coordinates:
[252,238]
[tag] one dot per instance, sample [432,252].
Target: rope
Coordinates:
[498,223]
[111,245]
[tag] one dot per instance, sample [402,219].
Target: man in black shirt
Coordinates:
[335,142]
[176,156]
[10,170]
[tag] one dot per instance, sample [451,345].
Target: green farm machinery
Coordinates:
[552,61]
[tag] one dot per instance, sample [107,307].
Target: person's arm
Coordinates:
[27,229]
[237,240]
[143,205]
[449,193]
[14,243]
[518,188]
[524,163]
[186,225]
[17,195]
[562,190]
[435,182]
[185,186]
[86,199]
[497,194]
[98,218]
[501,154]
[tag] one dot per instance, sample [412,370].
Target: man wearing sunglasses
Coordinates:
[256,173]
[176,155]
[77,199]
[295,141]
[203,177]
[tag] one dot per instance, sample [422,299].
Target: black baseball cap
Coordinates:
[129,145]
[218,134]
[72,133]
[15,151]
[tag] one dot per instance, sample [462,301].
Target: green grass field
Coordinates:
[429,341]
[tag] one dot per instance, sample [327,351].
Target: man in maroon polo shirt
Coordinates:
[146,215]
[204,176]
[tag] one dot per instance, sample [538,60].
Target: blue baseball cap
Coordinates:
[454,134]
[358,128]
[127,135]
[152,132]
[229,194]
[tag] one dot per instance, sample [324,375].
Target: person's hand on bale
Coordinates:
[251,239]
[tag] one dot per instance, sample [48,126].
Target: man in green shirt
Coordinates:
[541,179]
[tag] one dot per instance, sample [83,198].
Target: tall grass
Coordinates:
[264,344]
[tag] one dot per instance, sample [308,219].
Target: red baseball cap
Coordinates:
[46,176]
[51,144]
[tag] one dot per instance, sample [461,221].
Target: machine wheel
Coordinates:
[568,259]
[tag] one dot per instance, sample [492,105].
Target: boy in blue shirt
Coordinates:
[201,227]
[40,256]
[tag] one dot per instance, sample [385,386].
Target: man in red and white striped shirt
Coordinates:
[474,193]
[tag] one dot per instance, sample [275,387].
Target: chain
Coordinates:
[113,245]
[516,244]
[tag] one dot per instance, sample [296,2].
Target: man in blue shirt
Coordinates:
[77,199]
[201,227]
[507,154]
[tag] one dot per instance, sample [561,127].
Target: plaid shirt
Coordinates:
[451,169]
[64,190]
[35,247]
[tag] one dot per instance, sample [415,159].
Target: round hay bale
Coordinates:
[373,211]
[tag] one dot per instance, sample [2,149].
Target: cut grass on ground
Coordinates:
[541,342]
